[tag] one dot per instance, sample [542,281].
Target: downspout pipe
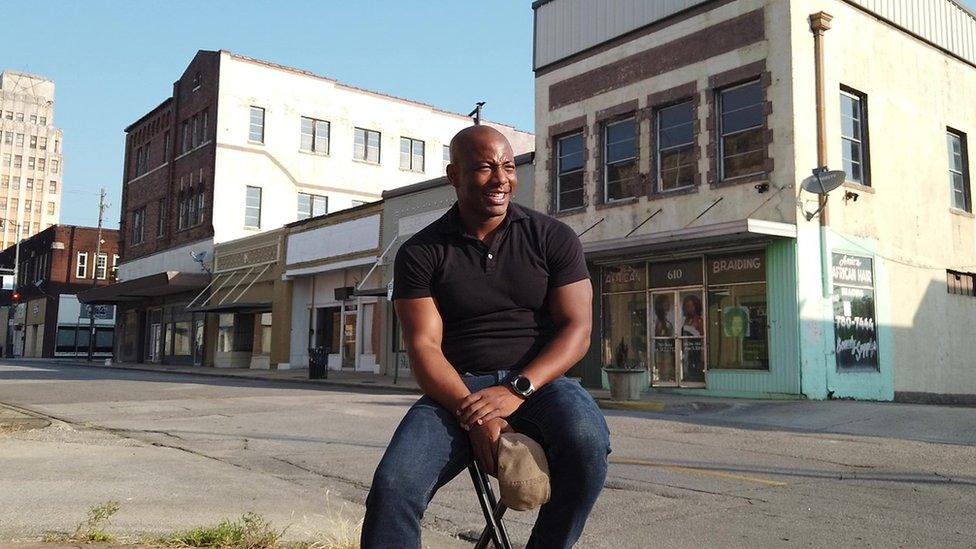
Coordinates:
[820,24]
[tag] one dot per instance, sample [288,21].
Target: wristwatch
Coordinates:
[522,386]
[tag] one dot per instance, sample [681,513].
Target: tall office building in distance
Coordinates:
[30,156]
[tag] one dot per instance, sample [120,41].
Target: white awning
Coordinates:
[718,233]
[329,267]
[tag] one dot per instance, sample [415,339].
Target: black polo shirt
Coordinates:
[492,299]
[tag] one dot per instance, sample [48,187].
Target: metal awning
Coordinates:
[154,285]
[248,278]
[707,235]
[233,308]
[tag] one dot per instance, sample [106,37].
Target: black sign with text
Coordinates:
[732,269]
[855,329]
[676,274]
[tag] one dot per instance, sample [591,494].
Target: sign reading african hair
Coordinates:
[855,328]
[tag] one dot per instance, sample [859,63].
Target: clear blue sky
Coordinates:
[112,61]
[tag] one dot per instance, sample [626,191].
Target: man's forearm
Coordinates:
[436,377]
[565,349]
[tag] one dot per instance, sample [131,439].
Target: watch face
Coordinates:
[522,384]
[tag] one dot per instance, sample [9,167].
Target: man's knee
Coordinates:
[396,486]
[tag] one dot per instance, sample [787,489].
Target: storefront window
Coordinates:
[625,330]
[266,333]
[225,333]
[181,338]
[855,329]
[737,327]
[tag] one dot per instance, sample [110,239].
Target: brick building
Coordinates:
[55,265]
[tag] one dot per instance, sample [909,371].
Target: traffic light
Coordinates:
[15,298]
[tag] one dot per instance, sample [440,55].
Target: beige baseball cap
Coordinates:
[523,472]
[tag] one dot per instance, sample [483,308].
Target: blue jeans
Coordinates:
[429,449]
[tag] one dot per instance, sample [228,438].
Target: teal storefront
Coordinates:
[720,321]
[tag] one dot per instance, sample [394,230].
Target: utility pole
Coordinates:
[102,205]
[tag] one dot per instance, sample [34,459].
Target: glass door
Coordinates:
[677,330]
[662,334]
[349,337]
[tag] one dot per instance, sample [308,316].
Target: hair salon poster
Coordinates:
[855,329]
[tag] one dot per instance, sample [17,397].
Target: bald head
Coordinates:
[474,138]
[482,171]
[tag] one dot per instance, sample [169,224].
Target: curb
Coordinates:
[217,374]
[639,406]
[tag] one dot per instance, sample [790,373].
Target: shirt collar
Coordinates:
[450,222]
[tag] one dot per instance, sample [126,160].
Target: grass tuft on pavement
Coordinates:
[250,532]
[93,528]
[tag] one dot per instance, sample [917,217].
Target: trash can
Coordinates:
[318,363]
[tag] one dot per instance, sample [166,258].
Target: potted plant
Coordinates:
[625,375]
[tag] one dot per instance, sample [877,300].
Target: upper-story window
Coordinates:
[101,267]
[55,165]
[33,119]
[20,140]
[161,218]
[115,266]
[255,131]
[366,145]
[446,155]
[44,121]
[676,161]
[959,171]
[197,81]
[315,135]
[312,205]
[139,225]
[620,178]
[252,208]
[411,154]
[854,136]
[570,159]
[20,117]
[42,143]
[166,145]
[81,266]
[742,146]
[33,142]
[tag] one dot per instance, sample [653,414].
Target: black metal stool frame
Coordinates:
[492,509]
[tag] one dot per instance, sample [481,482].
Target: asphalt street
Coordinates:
[178,451]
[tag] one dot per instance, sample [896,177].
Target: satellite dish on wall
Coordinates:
[823,181]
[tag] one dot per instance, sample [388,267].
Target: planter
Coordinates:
[625,384]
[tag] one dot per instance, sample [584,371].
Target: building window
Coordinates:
[52,187]
[50,208]
[742,147]
[959,283]
[570,159]
[20,140]
[311,205]
[161,220]
[201,202]
[30,184]
[676,161]
[315,135]
[256,130]
[8,138]
[20,117]
[411,154]
[138,225]
[55,165]
[33,119]
[252,208]
[446,155]
[18,161]
[166,144]
[44,121]
[31,162]
[81,266]
[9,115]
[115,266]
[6,160]
[42,143]
[959,171]
[33,141]
[16,186]
[620,179]
[854,136]
[366,146]
[101,266]
[5,182]
[27,205]
[42,164]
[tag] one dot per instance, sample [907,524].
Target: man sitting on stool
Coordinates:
[495,305]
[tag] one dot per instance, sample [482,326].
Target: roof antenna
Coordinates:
[476,113]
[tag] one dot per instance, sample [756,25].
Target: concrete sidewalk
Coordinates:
[919,422]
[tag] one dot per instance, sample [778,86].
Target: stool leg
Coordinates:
[493,511]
